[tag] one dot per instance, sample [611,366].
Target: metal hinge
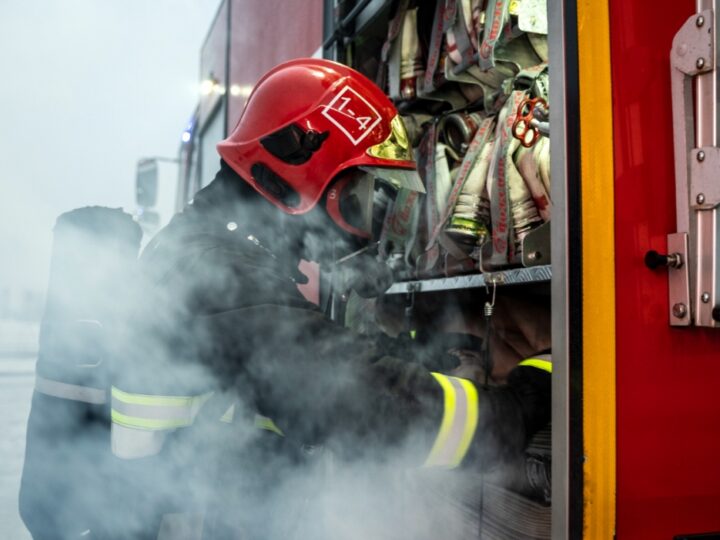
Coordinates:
[694,281]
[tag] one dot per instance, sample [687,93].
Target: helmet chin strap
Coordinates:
[370,249]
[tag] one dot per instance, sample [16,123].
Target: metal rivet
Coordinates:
[700,63]
[701,155]
[700,198]
[534,256]
[679,311]
[705,297]
[700,21]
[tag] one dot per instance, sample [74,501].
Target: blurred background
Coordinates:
[88,89]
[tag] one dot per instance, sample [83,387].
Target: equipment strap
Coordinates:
[443,186]
[443,182]
[459,422]
[525,215]
[400,225]
[435,48]
[496,14]
[411,58]
[529,166]
[73,392]
[503,241]
[426,168]
[390,54]
[481,137]
[394,29]
[459,44]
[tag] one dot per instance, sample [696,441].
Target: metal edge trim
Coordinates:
[557,20]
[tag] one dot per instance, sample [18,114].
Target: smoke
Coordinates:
[91,87]
[213,311]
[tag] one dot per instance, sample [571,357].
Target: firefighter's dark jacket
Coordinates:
[220,310]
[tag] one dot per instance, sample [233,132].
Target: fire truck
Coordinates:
[627,258]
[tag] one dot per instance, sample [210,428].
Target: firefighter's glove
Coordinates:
[436,352]
[531,386]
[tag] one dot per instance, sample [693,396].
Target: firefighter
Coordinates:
[226,366]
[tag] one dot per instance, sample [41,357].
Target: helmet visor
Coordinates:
[355,202]
[365,197]
[397,178]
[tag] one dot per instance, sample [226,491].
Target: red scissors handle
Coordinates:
[522,128]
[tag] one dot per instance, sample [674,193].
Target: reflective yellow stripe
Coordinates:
[147,423]
[263,422]
[145,399]
[470,422]
[459,422]
[229,415]
[545,365]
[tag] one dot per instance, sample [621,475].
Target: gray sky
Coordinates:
[86,88]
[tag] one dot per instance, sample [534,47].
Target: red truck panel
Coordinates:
[668,411]
[265,34]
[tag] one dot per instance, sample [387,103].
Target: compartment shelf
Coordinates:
[515,276]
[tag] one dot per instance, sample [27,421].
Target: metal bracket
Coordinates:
[536,246]
[678,282]
[694,287]
[704,182]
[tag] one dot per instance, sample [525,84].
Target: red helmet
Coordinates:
[308,120]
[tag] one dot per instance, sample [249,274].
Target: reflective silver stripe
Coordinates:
[460,418]
[133,443]
[74,392]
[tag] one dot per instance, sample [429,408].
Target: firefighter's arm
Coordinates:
[467,423]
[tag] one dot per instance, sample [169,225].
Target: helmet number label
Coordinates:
[352,114]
